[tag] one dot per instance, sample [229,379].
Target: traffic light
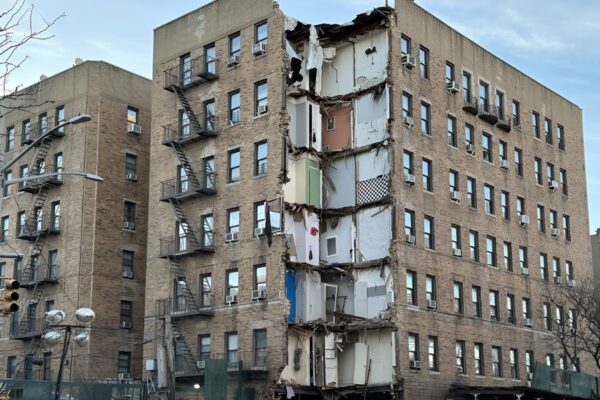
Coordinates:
[10,297]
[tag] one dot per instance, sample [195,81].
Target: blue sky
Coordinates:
[555,42]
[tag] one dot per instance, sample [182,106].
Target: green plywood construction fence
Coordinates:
[44,390]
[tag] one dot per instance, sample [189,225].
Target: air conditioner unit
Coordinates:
[230,299]
[528,322]
[432,304]
[453,87]
[555,232]
[504,163]
[471,148]
[409,178]
[259,232]
[232,237]
[134,128]
[523,219]
[259,294]
[552,185]
[455,195]
[129,225]
[457,252]
[123,376]
[488,207]
[409,61]
[201,364]
[261,110]
[127,274]
[259,48]
[410,239]
[415,364]
[408,121]
[233,60]
[459,369]
[130,176]
[557,280]
[126,324]
[571,283]
[524,271]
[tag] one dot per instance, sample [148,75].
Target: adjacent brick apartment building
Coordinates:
[374,209]
[81,243]
[595,239]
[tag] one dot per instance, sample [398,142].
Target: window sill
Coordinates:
[488,162]
[263,55]
[232,67]
[233,183]
[129,230]
[434,372]
[427,135]
[258,176]
[414,307]
[428,192]
[264,115]
[480,376]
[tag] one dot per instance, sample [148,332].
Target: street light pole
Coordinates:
[92,177]
[63,357]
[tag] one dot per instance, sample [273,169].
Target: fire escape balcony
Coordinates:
[488,113]
[37,130]
[249,364]
[37,274]
[181,190]
[470,106]
[27,328]
[179,246]
[181,307]
[188,133]
[504,123]
[198,71]
[33,186]
[44,226]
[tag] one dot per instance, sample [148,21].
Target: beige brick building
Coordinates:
[75,250]
[374,209]
[595,239]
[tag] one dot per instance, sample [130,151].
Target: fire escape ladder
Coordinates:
[38,204]
[178,337]
[185,163]
[188,109]
[183,221]
[181,279]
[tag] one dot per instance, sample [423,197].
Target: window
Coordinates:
[451,131]
[405,45]
[126,314]
[562,177]
[526,308]
[537,168]
[231,347]
[507,255]
[560,136]
[260,277]
[497,361]
[59,117]
[11,366]
[425,118]
[523,258]
[184,124]
[466,83]
[469,140]
[43,122]
[3,272]
[516,114]
[458,297]
[130,165]
[234,165]
[529,363]
[494,306]
[505,205]
[129,215]
[502,150]
[513,359]
[478,355]
[474,246]
[260,217]
[21,222]
[185,69]
[535,124]
[486,145]
[518,162]
[520,206]
[407,164]
[409,222]
[432,353]
[6,190]
[47,362]
[205,290]
[566,222]
[203,347]
[560,318]
[427,175]
[547,316]
[484,102]
[261,32]
[453,181]
[548,130]
[260,347]
[132,114]
[541,219]
[428,234]
[510,309]
[232,284]
[5,222]
[124,362]
[430,288]
[24,172]
[555,267]
[472,192]
[544,266]
[455,237]
[260,157]
[233,220]
[569,270]
[234,107]
[26,135]
[424,62]
[550,172]
[490,245]
[461,365]
[261,99]
[10,139]
[406,105]
[234,44]
[449,72]
[476,301]
[411,288]
[553,219]
[488,198]
[550,360]
[209,115]
[413,347]
[127,263]
[210,59]
[500,104]
[572,319]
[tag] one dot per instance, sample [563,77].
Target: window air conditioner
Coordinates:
[557,280]
[408,121]
[134,128]
[259,48]
[528,322]
[524,271]
[571,283]
[552,185]
[230,300]
[453,87]
[129,225]
[415,364]
[555,232]
[410,239]
[455,195]
[431,304]
[131,176]
[123,376]
[127,274]
[503,163]
[470,148]
[261,110]
[233,60]
[409,178]
[457,252]
[259,232]
[409,61]
[201,364]
[232,237]
[523,219]
[126,324]
[259,294]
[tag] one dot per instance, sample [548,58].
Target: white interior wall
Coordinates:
[290,375]
[338,73]
[373,163]
[371,115]
[305,242]
[344,239]
[373,291]
[310,300]
[372,68]
[374,226]
[342,174]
